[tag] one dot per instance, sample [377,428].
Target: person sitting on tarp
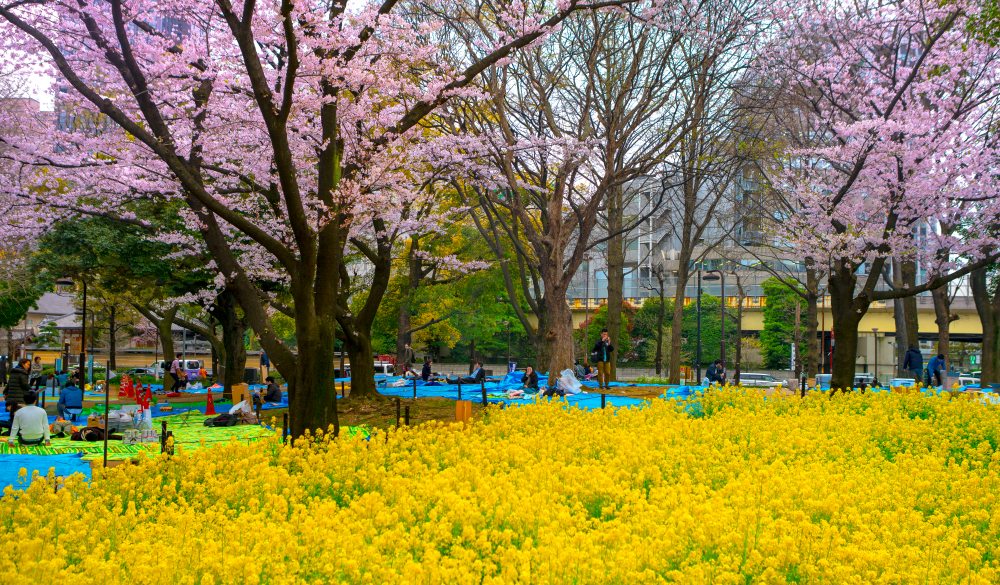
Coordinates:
[478,375]
[273,391]
[716,374]
[31,423]
[530,379]
[70,398]
[425,372]
[408,371]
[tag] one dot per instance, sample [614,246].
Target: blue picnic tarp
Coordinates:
[64,465]
[497,389]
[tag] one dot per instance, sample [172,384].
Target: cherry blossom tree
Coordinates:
[292,136]
[899,96]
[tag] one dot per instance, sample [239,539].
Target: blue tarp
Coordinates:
[496,390]
[64,465]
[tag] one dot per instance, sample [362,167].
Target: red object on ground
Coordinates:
[210,405]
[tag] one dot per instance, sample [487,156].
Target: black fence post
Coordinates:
[406,413]
[459,388]
[482,386]
[343,392]
[284,428]
[604,399]
[803,386]
[397,411]
[414,388]
[257,405]
[163,436]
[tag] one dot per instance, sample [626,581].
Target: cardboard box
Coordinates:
[241,392]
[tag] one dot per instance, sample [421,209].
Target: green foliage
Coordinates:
[652,380]
[18,294]
[711,331]
[986,25]
[779,324]
[48,335]
[644,330]
[590,331]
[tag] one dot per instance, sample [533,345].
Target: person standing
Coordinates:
[913,362]
[935,370]
[18,385]
[409,357]
[35,373]
[175,373]
[602,356]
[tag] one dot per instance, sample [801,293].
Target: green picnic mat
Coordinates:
[190,434]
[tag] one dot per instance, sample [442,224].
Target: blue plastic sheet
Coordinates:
[496,390]
[64,465]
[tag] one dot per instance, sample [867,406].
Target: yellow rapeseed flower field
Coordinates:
[736,488]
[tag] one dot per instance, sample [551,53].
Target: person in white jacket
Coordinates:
[31,423]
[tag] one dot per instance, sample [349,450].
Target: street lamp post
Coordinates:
[586,309]
[697,354]
[739,327]
[506,325]
[875,371]
[712,275]
[83,327]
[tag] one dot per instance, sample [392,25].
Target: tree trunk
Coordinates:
[410,284]
[739,340]
[359,350]
[901,338]
[164,328]
[558,333]
[988,307]
[312,394]
[234,356]
[216,373]
[847,314]
[797,340]
[616,269]
[112,339]
[943,317]
[812,358]
[660,318]
[674,373]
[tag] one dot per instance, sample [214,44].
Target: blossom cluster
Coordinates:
[733,488]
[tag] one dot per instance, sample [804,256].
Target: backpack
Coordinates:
[223,420]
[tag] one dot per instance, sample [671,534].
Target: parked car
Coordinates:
[970,378]
[156,369]
[753,380]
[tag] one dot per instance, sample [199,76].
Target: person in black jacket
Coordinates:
[602,356]
[273,392]
[478,375]
[913,362]
[425,372]
[716,373]
[17,386]
[530,379]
